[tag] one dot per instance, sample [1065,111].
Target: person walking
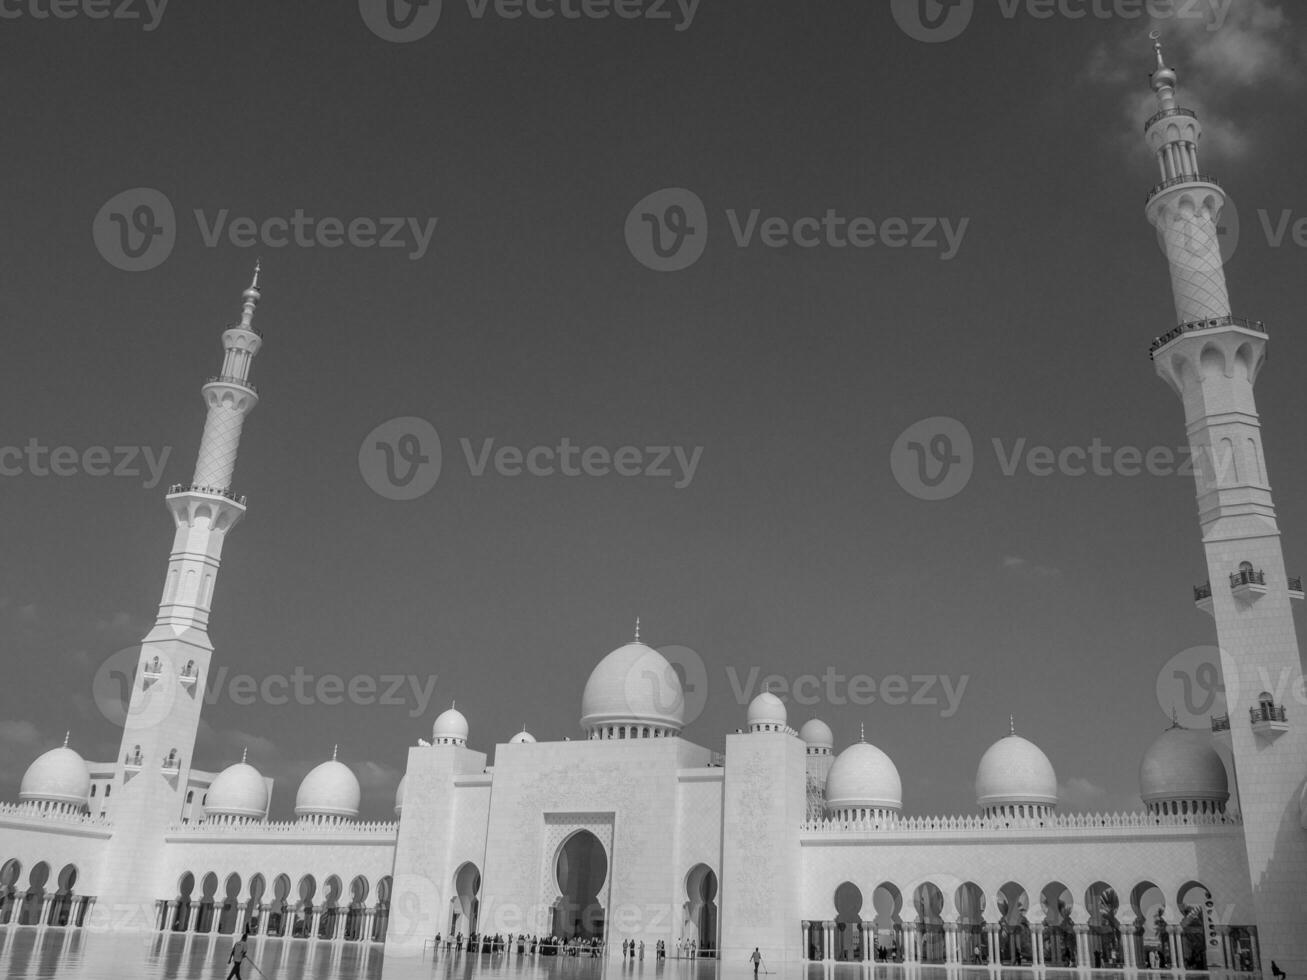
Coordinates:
[236,957]
[1276,972]
[641,950]
[756,960]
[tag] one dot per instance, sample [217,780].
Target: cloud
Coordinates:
[1024,566]
[224,746]
[20,742]
[122,625]
[1081,795]
[1236,49]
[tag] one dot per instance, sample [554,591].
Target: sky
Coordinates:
[533,312]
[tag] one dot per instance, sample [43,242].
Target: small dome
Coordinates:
[817,734]
[399,796]
[767,710]
[330,790]
[237,791]
[863,776]
[1014,771]
[450,726]
[59,776]
[1182,764]
[522,738]
[633,685]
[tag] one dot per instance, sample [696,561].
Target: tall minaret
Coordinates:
[1212,360]
[167,693]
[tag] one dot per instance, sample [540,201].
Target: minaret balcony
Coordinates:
[223,379]
[180,488]
[1166,114]
[1248,584]
[1203,597]
[1182,179]
[1256,326]
[1295,589]
[1220,723]
[1269,720]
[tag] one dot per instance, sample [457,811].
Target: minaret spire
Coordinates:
[251,297]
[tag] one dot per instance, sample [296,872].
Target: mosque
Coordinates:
[782,841]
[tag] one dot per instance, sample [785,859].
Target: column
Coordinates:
[909,942]
[1223,937]
[369,923]
[952,949]
[44,918]
[1037,930]
[1128,959]
[828,933]
[1177,948]
[314,913]
[807,939]
[193,919]
[1084,959]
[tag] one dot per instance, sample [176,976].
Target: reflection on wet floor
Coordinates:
[30,953]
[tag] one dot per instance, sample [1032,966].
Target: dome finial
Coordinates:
[637,629]
[1011,724]
[334,750]
[452,704]
[251,296]
[1164,79]
[862,731]
[67,735]
[245,752]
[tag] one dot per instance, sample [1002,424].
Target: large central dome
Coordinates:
[634,692]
